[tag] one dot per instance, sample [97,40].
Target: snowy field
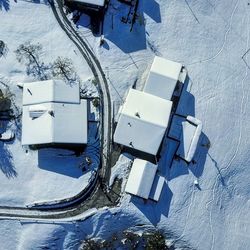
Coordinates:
[209,37]
[36,175]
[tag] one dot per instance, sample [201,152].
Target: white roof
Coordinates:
[191,131]
[141,178]
[162,78]
[94,2]
[50,91]
[145,132]
[67,123]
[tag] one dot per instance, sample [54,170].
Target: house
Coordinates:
[142,122]
[86,5]
[53,114]
[143,180]
[163,77]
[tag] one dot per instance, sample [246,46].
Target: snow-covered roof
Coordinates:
[191,131]
[54,123]
[162,77]
[50,91]
[143,121]
[53,113]
[93,2]
[141,178]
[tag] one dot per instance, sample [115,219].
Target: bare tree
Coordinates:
[28,54]
[5,101]
[3,48]
[63,68]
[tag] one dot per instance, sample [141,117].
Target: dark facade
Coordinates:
[84,7]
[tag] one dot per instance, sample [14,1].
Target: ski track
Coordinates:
[224,40]
[224,169]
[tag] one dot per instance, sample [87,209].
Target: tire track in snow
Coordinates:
[236,150]
[224,40]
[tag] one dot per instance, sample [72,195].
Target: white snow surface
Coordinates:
[39,175]
[209,37]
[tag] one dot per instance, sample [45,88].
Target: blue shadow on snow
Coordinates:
[5,5]
[154,210]
[60,161]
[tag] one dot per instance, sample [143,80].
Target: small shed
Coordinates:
[53,114]
[143,180]
[163,77]
[142,122]
[191,131]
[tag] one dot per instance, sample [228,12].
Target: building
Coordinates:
[86,5]
[53,114]
[142,122]
[129,2]
[163,77]
[190,134]
[186,131]
[143,180]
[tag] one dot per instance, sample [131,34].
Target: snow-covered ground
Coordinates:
[209,37]
[37,175]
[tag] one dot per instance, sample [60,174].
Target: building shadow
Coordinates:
[119,30]
[178,168]
[73,163]
[186,103]
[152,9]
[5,5]
[197,166]
[122,25]
[170,165]
[59,161]
[155,210]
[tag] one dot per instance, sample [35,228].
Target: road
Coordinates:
[89,198]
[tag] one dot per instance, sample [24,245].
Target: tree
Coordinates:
[155,240]
[28,54]
[63,68]
[5,101]
[96,102]
[3,48]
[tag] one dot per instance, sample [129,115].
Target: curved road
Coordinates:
[76,206]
